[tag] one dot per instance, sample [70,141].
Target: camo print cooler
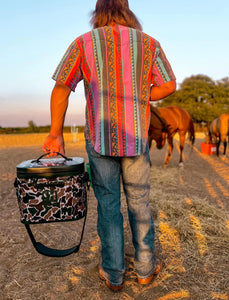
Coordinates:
[51,190]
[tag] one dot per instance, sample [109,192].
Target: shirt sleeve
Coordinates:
[161,69]
[69,71]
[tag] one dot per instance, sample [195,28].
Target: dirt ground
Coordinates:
[190,209]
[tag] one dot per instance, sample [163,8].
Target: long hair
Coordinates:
[117,11]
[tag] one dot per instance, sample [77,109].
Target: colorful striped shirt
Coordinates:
[118,65]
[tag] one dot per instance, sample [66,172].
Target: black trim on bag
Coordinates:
[48,174]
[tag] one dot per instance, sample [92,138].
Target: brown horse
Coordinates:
[219,130]
[165,123]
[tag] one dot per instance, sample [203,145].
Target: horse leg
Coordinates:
[224,140]
[182,140]
[217,147]
[170,150]
[225,147]
[150,143]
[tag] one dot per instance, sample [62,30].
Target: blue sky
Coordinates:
[35,34]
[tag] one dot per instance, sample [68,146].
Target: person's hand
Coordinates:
[53,144]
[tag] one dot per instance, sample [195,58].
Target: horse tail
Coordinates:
[191,132]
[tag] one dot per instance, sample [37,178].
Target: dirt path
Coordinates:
[190,208]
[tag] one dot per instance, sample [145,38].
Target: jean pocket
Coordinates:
[91,151]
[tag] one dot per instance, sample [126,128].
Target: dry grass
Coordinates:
[21,140]
[194,239]
[192,234]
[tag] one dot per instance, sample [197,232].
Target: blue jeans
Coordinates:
[106,172]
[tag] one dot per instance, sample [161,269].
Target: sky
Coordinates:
[194,35]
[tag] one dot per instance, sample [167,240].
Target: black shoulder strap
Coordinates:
[54,252]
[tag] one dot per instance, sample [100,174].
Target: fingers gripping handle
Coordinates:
[58,153]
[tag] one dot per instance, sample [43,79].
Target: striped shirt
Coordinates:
[118,65]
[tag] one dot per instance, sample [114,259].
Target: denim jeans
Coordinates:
[106,172]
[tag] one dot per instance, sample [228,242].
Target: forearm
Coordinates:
[162,91]
[58,106]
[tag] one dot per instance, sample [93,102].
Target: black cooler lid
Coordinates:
[51,167]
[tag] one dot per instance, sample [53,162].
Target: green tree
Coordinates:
[203,98]
[32,127]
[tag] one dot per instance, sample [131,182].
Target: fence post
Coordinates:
[74,131]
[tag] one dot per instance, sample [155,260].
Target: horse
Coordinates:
[165,122]
[219,130]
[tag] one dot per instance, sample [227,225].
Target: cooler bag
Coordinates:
[52,190]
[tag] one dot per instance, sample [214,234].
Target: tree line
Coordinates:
[33,128]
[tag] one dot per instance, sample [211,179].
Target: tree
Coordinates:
[32,127]
[203,98]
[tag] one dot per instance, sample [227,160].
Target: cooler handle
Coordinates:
[42,249]
[58,153]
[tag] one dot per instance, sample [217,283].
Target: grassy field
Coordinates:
[33,139]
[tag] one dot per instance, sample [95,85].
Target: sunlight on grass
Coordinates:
[170,243]
[223,190]
[202,244]
[219,296]
[213,193]
[33,139]
[176,295]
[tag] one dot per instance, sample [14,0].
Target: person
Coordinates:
[123,69]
